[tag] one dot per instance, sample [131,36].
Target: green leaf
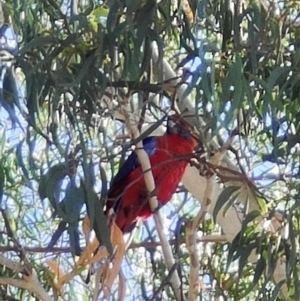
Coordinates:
[20,160]
[260,268]
[223,198]
[73,202]
[100,11]
[243,258]
[83,72]
[147,56]
[277,290]
[3,140]
[229,203]
[48,183]
[262,204]
[276,74]
[237,76]
[39,42]
[80,18]
[249,218]
[234,246]
[111,21]
[2,181]
[9,96]
[103,185]
[97,216]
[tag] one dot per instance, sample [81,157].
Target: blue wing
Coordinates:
[132,162]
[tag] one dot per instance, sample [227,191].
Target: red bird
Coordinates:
[169,155]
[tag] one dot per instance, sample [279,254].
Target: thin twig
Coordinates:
[164,71]
[14,266]
[30,280]
[4,296]
[191,229]
[33,286]
[145,244]
[164,282]
[194,261]
[63,17]
[131,123]
[168,255]
[10,234]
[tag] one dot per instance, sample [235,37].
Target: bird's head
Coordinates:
[176,125]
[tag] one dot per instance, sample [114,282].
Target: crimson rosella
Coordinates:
[169,155]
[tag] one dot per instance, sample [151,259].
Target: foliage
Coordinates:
[78,62]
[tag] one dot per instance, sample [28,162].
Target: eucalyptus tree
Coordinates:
[79,72]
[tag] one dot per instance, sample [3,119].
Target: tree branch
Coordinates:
[131,123]
[32,285]
[145,244]
[30,280]
[194,183]
[191,231]
[15,266]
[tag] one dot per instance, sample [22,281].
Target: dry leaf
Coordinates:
[54,267]
[87,257]
[88,253]
[86,228]
[187,10]
[121,287]
[117,240]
